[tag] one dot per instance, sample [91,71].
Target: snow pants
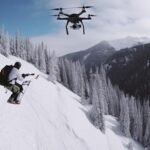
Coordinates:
[16,89]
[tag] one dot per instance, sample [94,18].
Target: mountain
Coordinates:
[93,56]
[51,117]
[128,42]
[130,69]
[99,53]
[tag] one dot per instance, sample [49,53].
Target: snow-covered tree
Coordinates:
[112,100]
[146,122]
[97,99]
[53,67]
[63,73]
[41,63]
[132,109]
[105,88]
[29,51]
[98,117]
[4,42]
[91,81]
[7,44]
[74,75]
[124,115]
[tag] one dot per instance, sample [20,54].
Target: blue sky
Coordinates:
[26,17]
[114,19]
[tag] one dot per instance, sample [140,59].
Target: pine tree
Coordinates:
[105,89]
[29,51]
[7,44]
[147,124]
[112,100]
[36,57]
[147,134]
[17,45]
[4,42]
[74,78]
[132,105]
[81,83]
[41,61]
[124,115]
[12,46]
[63,74]
[140,121]
[97,101]
[53,67]
[83,80]
[47,57]
[91,81]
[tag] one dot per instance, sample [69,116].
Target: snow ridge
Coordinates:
[128,42]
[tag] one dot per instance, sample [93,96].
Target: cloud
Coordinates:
[115,19]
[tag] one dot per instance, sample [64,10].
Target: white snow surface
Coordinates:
[86,56]
[50,117]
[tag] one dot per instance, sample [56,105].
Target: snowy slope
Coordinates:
[51,117]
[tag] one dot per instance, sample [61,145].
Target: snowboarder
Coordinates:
[13,86]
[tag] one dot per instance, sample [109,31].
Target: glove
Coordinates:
[27,74]
[24,75]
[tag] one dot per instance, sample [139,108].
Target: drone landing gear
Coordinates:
[67,27]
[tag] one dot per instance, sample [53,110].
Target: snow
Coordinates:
[86,56]
[50,117]
[128,42]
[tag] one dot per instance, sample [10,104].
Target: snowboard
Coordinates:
[12,102]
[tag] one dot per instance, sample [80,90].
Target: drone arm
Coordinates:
[83,26]
[83,11]
[67,27]
[61,13]
[84,18]
[62,18]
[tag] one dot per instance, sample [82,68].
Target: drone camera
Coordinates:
[76,26]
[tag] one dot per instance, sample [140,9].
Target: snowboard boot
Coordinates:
[11,100]
[17,102]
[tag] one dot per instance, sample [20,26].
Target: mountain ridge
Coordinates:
[97,55]
[129,68]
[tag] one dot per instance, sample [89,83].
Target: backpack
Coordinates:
[4,75]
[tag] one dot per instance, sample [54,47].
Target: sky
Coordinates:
[114,19]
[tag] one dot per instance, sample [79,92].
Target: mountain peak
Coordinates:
[101,46]
[128,42]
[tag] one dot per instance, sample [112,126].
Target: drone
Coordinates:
[75,19]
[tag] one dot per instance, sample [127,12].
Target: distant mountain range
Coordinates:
[93,56]
[130,69]
[128,42]
[99,53]
[127,62]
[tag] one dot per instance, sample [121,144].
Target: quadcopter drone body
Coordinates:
[75,18]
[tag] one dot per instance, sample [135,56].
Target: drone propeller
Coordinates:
[85,7]
[56,15]
[58,8]
[91,15]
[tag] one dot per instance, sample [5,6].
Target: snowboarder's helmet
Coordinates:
[17,65]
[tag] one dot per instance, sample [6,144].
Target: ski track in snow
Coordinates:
[80,140]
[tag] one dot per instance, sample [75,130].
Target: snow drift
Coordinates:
[51,117]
